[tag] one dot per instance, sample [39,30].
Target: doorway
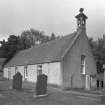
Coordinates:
[87,85]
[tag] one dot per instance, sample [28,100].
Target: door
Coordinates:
[87,85]
[83,79]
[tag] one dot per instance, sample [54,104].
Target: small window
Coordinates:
[9,73]
[25,72]
[83,70]
[16,69]
[39,69]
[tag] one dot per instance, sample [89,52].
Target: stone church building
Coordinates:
[68,61]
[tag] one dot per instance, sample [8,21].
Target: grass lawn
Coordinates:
[9,96]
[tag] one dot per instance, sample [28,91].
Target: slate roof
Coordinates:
[48,52]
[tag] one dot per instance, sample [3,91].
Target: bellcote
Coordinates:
[81,19]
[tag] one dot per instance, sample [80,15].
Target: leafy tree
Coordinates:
[98,49]
[33,37]
[26,40]
[53,37]
[9,48]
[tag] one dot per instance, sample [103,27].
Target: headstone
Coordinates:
[41,85]
[102,99]
[17,81]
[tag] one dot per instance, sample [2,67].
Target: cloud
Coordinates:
[50,15]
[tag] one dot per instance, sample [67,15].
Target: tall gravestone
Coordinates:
[17,81]
[41,85]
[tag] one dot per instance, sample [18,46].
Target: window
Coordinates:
[39,69]
[9,73]
[83,70]
[16,69]
[25,72]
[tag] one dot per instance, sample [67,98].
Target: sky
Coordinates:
[57,16]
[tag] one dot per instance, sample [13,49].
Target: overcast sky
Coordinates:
[50,16]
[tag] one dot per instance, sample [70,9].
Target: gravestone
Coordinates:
[102,99]
[41,85]
[17,81]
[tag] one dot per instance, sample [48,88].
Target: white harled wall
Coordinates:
[12,70]
[55,74]
[5,73]
[52,70]
[32,73]
[21,70]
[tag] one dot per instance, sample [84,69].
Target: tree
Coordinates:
[53,37]
[33,37]
[9,48]
[98,50]
[27,39]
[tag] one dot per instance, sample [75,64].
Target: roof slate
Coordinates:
[44,53]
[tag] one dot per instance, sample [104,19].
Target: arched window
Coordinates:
[83,64]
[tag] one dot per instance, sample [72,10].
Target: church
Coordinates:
[68,61]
